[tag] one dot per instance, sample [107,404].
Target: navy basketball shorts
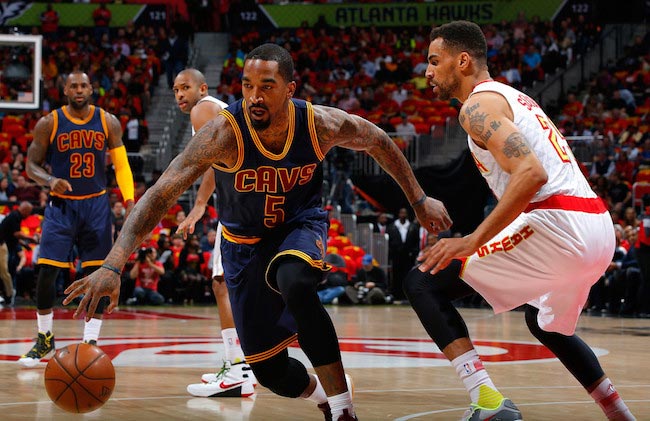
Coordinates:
[85,223]
[264,325]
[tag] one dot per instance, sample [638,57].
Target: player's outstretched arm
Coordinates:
[335,127]
[487,118]
[206,188]
[215,142]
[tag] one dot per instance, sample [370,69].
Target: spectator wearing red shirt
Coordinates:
[147,272]
[50,23]
[102,17]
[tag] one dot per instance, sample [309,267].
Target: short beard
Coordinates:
[446,94]
[78,106]
[260,124]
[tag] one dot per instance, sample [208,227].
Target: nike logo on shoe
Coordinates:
[224,385]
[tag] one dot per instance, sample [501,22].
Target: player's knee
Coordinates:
[414,283]
[296,280]
[531,321]
[282,375]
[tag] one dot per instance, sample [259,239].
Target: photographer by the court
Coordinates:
[147,272]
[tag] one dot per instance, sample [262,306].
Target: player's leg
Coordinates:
[94,241]
[45,294]
[234,355]
[54,253]
[93,326]
[583,364]
[288,377]
[431,297]
[4,273]
[296,281]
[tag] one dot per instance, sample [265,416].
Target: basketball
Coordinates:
[79,378]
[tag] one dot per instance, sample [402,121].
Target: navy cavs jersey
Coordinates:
[265,190]
[77,152]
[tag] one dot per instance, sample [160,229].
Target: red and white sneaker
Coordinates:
[226,383]
[238,370]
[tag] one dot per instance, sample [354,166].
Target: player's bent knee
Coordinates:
[531,321]
[283,375]
[414,283]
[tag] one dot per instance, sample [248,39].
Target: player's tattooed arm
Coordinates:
[515,146]
[214,143]
[338,128]
[335,127]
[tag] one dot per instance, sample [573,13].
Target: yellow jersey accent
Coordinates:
[255,358]
[240,143]
[312,132]
[258,142]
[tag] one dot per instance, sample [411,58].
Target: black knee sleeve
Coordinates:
[297,282]
[576,356]
[283,375]
[45,286]
[431,297]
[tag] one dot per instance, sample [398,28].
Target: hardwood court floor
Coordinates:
[398,373]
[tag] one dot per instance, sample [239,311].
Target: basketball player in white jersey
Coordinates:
[543,246]
[236,377]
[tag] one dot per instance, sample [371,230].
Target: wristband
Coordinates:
[111,268]
[419,202]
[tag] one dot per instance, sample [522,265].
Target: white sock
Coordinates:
[318,395]
[471,371]
[45,322]
[91,329]
[234,353]
[610,402]
[339,403]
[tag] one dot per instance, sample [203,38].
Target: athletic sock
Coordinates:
[91,329]
[610,402]
[232,347]
[45,322]
[339,403]
[476,380]
[318,395]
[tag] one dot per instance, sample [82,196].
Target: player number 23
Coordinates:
[557,140]
[82,165]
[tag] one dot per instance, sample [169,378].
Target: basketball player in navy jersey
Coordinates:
[235,376]
[72,141]
[543,246]
[268,149]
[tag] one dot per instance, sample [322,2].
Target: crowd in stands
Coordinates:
[378,74]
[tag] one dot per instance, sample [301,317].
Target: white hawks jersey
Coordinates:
[552,150]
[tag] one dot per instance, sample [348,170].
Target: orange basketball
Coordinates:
[79,378]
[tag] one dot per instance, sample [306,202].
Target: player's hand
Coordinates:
[433,215]
[190,221]
[129,207]
[59,185]
[438,257]
[98,284]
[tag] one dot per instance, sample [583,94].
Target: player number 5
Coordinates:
[273,212]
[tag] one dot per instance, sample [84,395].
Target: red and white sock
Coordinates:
[471,371]
[610,402]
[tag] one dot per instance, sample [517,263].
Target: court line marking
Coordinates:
[358,391]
